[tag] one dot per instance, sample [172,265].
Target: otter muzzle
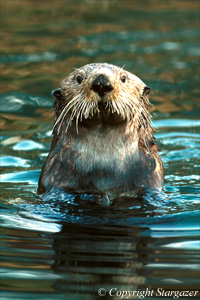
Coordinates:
[101,85]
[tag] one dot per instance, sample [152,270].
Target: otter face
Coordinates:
[97,90]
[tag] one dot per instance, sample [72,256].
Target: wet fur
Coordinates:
[102,151]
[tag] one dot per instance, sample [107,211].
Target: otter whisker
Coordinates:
[84,109]
[92,110]
[129,109]
[80,109]
[123,111]
[75,110]
[70,103]
[93,106]
[63,117]
[109,105]
[115,106]
[64,113]
[135,114]
[139,108]
[88,109]
[76,104]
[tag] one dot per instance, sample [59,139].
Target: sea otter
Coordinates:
[102,136]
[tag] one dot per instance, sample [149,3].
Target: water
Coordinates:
[67,246]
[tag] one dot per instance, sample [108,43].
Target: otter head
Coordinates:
[102,92]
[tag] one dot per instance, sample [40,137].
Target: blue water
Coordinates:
[68,246]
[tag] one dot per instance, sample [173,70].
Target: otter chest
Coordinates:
[103,162]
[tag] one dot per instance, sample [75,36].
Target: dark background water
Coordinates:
[66,247]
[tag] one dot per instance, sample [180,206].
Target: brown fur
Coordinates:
[103,139]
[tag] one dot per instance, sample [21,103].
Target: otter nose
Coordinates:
[101,85]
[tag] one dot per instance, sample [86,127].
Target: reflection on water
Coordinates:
[65,246]
[76,260]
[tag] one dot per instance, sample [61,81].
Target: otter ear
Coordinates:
[58,101]
[57,93]
[145,92]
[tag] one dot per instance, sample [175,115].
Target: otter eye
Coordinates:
[79,79]
[123,78]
